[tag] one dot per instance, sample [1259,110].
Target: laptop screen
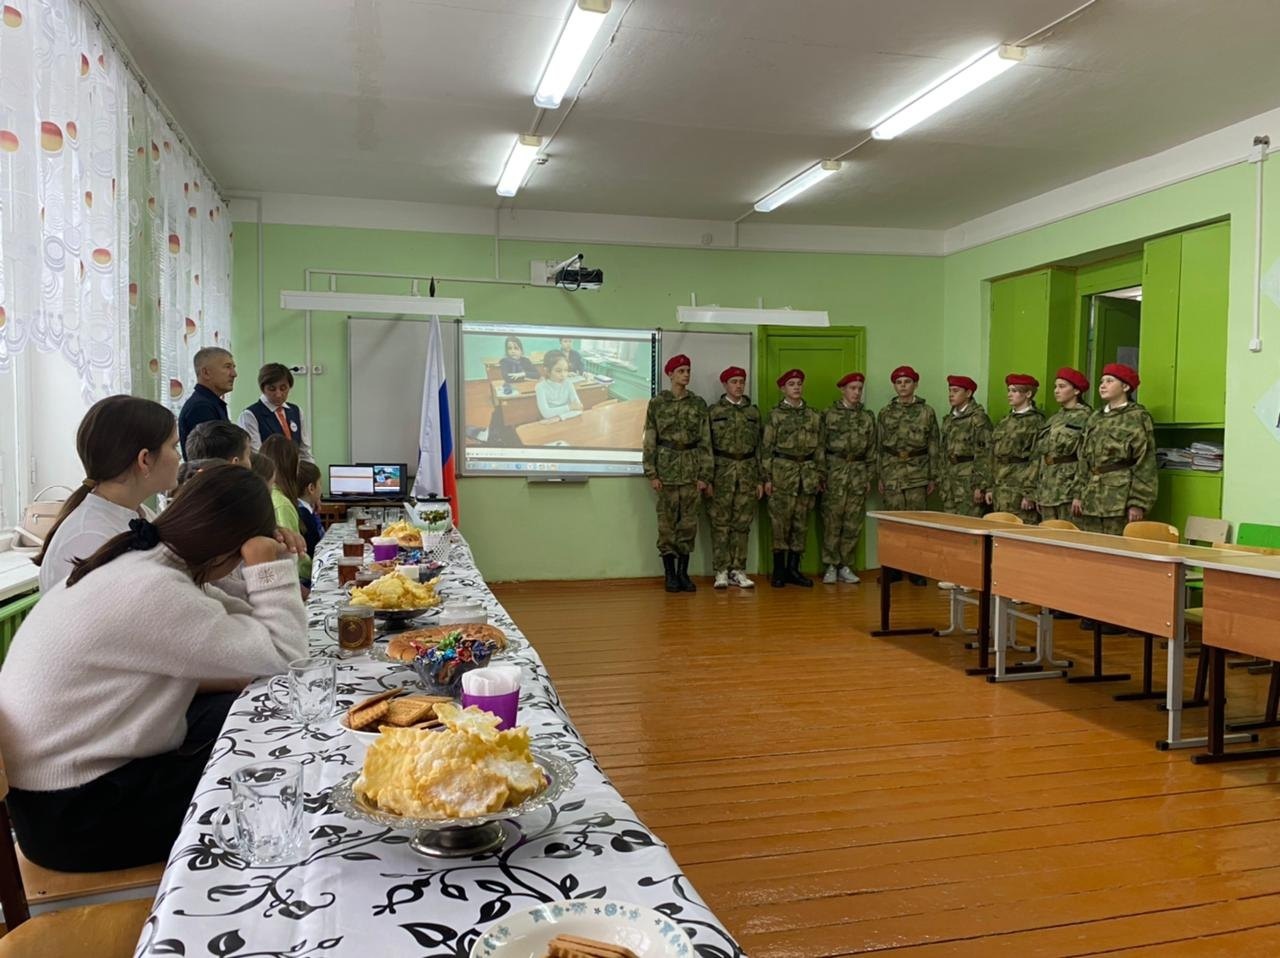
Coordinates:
[389,479]
[351,481]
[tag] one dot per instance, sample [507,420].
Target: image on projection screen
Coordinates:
[554,400]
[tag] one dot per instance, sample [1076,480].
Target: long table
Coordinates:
[358,888]
[1134,583]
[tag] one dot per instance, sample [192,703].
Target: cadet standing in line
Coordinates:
[793,467]
[850,444]
[966,450]
[909,448]
[736,487]
[677,463]
[1117,476]
[1013,446]
[1057,454]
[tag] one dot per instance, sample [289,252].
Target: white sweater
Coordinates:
[102,673]
[81,534]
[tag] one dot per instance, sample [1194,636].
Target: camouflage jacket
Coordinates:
[851,444]
[677,439]
[909,445]
[792,453]
[1118,461]
[1058,456]
[735,432]
[1013,450]
[966,450]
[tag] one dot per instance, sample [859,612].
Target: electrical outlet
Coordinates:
[298,370]
[538,271]
[317,370]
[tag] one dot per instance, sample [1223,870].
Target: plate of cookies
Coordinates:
[366,718]
[584,928]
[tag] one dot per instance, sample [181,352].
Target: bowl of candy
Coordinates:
[441,667]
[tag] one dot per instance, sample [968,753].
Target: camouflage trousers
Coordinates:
[677,518]
[789,519]
[956,490]
[914,499]
[1111,525]
[1062,511]
[843,509]
[1006,501]
[731,510]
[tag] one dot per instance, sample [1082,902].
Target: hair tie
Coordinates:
[89,483]
[145,533]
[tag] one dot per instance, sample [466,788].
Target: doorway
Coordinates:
[1115,320]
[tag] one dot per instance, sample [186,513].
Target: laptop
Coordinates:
[351,482]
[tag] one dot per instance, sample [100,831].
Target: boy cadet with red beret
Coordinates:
[1117,457]
[793,466]
[909,448]
[849,431]
[736,487]
[1057,453]
[1014,450]
[966,450]
[677,463]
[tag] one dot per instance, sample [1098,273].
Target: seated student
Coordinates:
[192,467]
[515,365]
[219,440]
[557,399]
[572,356]
[104,725]
[309,510]
[283,456]
[129,449]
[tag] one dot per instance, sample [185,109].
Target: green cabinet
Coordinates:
[1183,340]
[1032,331]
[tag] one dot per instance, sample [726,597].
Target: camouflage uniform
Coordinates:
[677,450]
[792,458]
[1057,462]
[1117,467]
[1013,445]
[966,459]
[735,443]
[909,453]
[850,446]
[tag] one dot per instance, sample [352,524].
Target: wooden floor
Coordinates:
[831,793]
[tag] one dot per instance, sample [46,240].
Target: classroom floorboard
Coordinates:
[831,793]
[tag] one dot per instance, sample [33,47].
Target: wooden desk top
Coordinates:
[526,387]
[1267,567]
[1117,545]
[940,520]
[612,426]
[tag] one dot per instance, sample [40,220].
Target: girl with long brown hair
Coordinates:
[103,728]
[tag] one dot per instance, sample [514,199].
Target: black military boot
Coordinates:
[779,569]
[669,569]
[794,575]
[682,575]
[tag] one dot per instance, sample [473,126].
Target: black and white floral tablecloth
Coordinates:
[359,889]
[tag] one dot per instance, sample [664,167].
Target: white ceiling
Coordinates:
[699,107]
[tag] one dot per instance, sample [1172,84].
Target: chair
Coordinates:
[1065,524]
[1007,518]
[492,369]
[99,931]
[1258,534]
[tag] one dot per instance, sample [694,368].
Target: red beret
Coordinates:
[731,372]
[851,378]
[1126,374]
[675,362]
[1073,376]
[1023,380]
[904,371]
[790,374]
[964,382]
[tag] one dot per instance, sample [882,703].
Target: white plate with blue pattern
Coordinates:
[525,934]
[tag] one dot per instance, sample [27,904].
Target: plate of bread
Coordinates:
[584,928]
[404,647]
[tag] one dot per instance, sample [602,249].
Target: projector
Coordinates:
[573,274]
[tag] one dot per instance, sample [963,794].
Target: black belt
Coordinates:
[1114,467]
[787,455]
[1010,460]
[958,459]
[1059,460]
[736,456]
[678,446]
[905,454]
[847,457]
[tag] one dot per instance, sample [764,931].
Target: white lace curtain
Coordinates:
[114,252]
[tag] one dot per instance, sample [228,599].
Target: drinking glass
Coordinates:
[312,689]
[265,813]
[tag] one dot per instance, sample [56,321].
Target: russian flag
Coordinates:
[435,442]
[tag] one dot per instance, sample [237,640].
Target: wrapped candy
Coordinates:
[441,667]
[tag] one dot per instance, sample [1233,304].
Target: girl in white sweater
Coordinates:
[103,728]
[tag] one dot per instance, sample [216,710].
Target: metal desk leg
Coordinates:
[1218,718]
[885,590]
[1023,671]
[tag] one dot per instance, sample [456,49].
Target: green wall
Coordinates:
[604,528]
[1251,454]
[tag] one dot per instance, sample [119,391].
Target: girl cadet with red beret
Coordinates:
[1117,479]
[793,465]
[737,487]
[1013,445]
[1057,454]
[849,429]
[966,450]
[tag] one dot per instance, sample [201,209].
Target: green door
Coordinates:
[1201,382]
[1116,332]
[825,356]
[1161,280]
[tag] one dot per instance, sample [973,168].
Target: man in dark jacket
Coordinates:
[215,375]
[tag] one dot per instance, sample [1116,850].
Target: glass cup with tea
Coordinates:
[352,626]
[348,568]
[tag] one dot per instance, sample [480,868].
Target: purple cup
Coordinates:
[385,548]
[504,706]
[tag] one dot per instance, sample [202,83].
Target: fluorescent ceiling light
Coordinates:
[964,79]
[584,23]
[328,301]
[793,188]
[523,153]
[744,316]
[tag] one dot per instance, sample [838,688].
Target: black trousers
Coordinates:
[130,816]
